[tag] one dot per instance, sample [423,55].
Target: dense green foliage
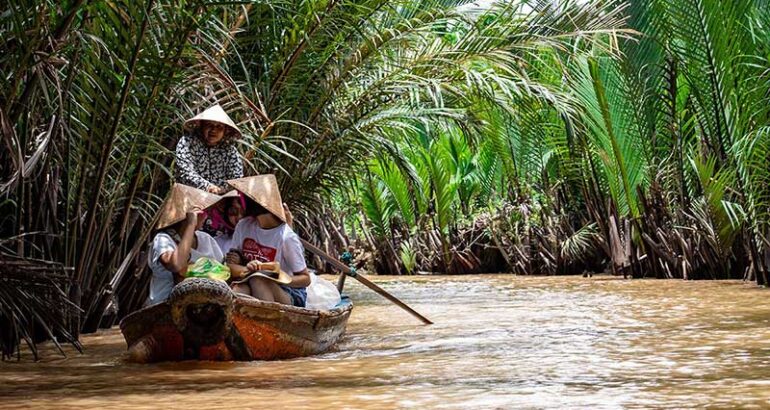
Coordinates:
[531,136]
[651,159]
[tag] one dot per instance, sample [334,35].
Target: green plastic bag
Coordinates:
[208,268]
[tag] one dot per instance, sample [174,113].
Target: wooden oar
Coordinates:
[364,281]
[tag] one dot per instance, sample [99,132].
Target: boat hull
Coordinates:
[206,325]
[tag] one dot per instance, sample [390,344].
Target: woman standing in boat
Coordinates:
[178,242]
[262,238]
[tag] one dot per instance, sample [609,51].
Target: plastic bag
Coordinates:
[321,294]
[208,268]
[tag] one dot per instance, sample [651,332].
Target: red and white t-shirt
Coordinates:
[267,245]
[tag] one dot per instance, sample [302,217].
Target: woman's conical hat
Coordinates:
[216,114]
[181,200]
[263,189]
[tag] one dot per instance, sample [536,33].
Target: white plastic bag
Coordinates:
[321,294]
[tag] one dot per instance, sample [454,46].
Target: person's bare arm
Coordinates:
[178,260]
[166,260]
[301,279]
[215,189]
[234,261]
[237,271]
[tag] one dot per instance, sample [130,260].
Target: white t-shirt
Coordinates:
[267,245]
[163,279]
[225,242]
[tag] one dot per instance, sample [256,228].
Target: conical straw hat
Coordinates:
[263,189]
[181,200]
[281,277]
[216,114]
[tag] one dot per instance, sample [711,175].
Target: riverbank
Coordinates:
[499,341]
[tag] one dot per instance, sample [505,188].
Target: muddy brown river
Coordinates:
[498,342]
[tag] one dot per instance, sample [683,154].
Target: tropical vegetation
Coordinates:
[532,136]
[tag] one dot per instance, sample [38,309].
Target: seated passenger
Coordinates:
[263,236]
[177,242]
[223,217]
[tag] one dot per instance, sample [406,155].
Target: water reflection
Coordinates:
[498,342]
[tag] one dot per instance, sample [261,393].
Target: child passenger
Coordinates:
[263,236]
[225,217]
[177,242]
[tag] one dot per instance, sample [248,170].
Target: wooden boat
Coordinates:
[204,320]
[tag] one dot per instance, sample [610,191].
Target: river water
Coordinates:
[498,342]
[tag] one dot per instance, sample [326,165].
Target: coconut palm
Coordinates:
[93,102]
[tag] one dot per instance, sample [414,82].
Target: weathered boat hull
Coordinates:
[202,324]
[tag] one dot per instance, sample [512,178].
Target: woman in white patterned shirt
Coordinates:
[206,156]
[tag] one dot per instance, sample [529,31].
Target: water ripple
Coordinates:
[498,342]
